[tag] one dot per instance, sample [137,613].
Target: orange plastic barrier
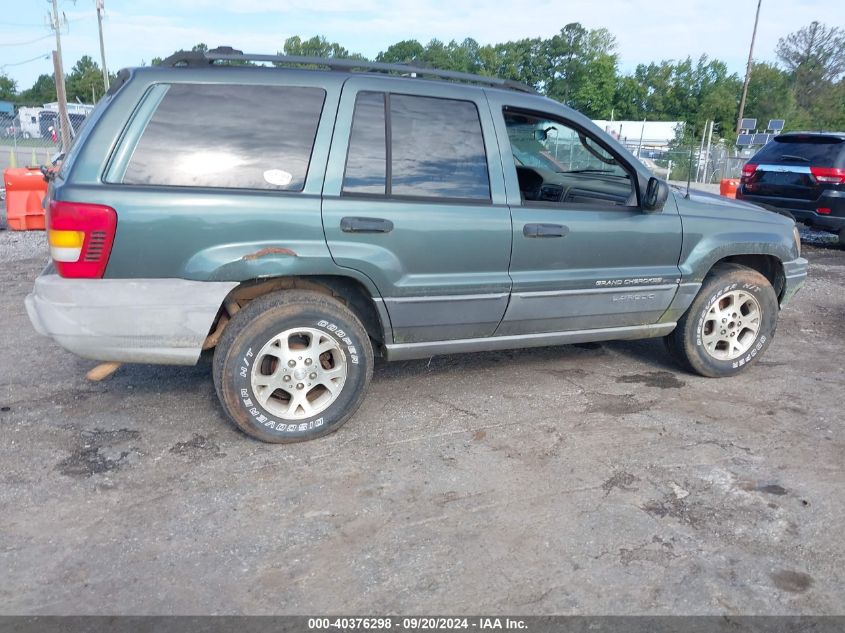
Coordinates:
[25,190]
[727,187]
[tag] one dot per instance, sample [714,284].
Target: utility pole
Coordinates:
[707,152]
[748,70]
[640,144]
[61,95]
[100,11]
[701,151]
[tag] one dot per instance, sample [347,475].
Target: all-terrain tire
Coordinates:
[292,366]
[729,324]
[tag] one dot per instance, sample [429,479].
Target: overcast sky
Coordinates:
[137,31]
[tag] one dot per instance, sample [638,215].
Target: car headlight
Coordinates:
[797,237]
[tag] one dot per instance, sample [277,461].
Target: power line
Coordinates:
[27,25]
[37,39]
[26,61]
[33,25]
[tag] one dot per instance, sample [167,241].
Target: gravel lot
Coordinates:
[585,479]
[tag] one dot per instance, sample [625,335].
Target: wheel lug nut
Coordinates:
[300,386]
[291,363]
[313,375]
[308,361]
[724,320]
[286,378]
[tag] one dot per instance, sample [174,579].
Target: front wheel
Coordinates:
[730,323]
[292,366]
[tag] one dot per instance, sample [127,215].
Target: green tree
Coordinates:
[770,94]
[404,52]
[629,99]
[815,56]
[523,60]
[581,69]
[85,81]
[42,91]
[317,46]
[8,88]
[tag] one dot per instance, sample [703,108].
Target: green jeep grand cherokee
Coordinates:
[298,220]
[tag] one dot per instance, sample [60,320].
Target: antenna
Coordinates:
[689,171]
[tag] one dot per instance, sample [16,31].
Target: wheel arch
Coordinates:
[770,266]
[351,292]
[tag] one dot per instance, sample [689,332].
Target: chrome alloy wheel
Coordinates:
[298,373]
[730,326]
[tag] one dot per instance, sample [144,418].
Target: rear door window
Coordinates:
[366,161]
[237,136]
[430,148]
[813,151]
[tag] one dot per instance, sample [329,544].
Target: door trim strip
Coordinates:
[419,299]
[408,351]
[589,291]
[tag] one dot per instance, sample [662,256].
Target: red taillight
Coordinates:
[748,171]
[829,175]
[94,224]
[823,210]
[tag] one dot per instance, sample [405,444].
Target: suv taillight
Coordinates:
[829,175]
[80,237]
[748,171]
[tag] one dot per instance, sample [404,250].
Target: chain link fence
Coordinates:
[693,163]
[31,137]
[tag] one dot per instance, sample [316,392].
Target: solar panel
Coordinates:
[760,139]
[748,124]
[775,125]
[743,140]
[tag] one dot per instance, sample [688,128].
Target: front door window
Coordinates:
[557,164]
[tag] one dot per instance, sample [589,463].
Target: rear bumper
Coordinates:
[128,320]
[805,211]
[795,272]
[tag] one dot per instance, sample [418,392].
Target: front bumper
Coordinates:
[161,321]
[795,273]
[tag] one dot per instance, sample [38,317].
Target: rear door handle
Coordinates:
[365,225]
[545,230]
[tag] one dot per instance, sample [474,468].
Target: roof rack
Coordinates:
[227,53]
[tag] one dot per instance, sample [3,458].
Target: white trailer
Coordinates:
[30,127]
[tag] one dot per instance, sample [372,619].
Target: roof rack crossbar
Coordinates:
[227,53]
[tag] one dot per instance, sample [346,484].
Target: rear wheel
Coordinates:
[292,366]
[730,323]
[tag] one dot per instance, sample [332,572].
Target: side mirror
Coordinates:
[656,193]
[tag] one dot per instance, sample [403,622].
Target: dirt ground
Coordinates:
[593,479]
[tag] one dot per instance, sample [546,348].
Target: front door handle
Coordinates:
[545,230]
[365,225]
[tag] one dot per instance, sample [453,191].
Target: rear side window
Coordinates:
[815,151]
[208,135]
[431,148]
